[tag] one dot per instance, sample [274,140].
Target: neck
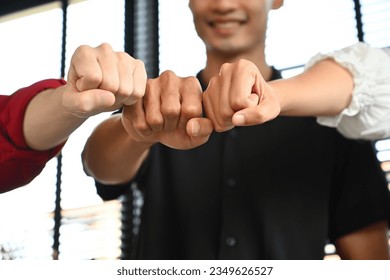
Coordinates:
[216,59]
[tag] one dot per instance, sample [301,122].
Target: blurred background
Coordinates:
[59,214]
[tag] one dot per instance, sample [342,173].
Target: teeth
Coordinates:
[226,25]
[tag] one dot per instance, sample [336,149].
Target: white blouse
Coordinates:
[368,115]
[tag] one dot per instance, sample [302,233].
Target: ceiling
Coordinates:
[10,6]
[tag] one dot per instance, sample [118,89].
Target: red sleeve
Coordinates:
[19,164]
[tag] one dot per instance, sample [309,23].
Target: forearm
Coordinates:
[324,89]
[46,122]
[110,155]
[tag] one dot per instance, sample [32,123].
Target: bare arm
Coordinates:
[324,89]
[110,155]
[99,80]
[239,96]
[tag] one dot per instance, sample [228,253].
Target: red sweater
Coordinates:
[19,164]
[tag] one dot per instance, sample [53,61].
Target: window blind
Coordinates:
[141,41]
[302,28]
[376,29]
[376,22]
[11,6]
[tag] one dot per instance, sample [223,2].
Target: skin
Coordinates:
[99,80]
[239,95]
[227,28]
[164,115]
[119,161]
[234,34]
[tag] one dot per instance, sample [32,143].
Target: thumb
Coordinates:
[199,129]
[254,115]
[90,102]
[83,83]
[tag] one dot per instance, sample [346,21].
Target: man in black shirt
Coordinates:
[272,191]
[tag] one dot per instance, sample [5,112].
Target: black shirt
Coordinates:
[272,191]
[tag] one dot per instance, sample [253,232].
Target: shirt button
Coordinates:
[231,182]
[230,241]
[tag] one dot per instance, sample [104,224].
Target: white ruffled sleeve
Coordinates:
[368,115]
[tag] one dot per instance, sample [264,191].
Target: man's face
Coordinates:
[231,26]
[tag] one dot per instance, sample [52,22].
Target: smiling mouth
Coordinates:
[225,24]
[225,28]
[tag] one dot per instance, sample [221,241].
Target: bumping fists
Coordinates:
[239,96]
[176,113]
[168,109]
[100,80]
[169,113]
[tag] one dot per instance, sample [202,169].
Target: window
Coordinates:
[296,32]
[38,55]
[294,35]
[20,57]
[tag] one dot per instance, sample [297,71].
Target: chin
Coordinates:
[229,49]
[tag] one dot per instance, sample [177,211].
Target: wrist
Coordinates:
[275,87]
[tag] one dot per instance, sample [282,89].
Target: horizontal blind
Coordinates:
[91,233]
[376,22]
[376,28]
[146,40]
[302,28]
[12,6]
[383,148]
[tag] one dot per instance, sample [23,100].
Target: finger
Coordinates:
[171,110]
[133,78]
[209,96]
[191,103]
[220,96]
[126,79]
[136,115]
[89,102]
[84,71]
[140,78]
[255,115]
[209,112]
[152,105]
[108,60]
[244,85]
[217,106]
[253,100]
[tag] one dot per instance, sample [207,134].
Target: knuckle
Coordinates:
[170,110]
[139,63]
[82,50]
[141,127]
[169,78]
[213,81]
[226,113]
[168,73]
[243,62]
[192,84]
[94,77]
[237,104]
[155,121]
[193,81]
[191,111]
[124,56]
[258,115]
[225,67]
[105,47]
[138,93]
[110,84]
